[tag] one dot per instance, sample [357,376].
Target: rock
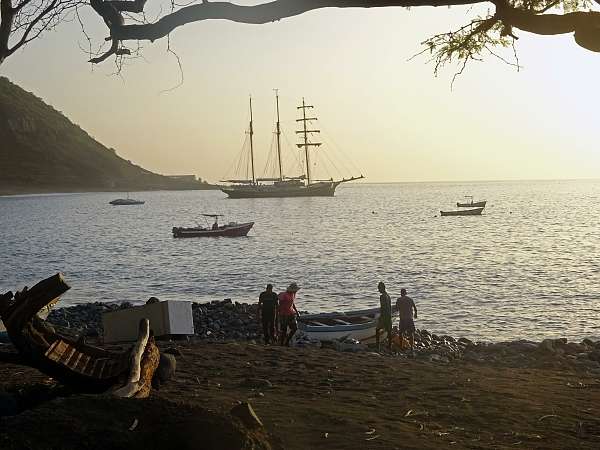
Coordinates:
[246,414]
[573,348]
[588,342]
[165,370]
[547,345]
[595,355]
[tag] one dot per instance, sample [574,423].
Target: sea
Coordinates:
[528,268]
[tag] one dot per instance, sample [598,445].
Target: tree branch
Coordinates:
[33,23]
[7,16]
[113,50]
[586,25]
[258,14]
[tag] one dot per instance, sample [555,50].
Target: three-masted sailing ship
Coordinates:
[283,186]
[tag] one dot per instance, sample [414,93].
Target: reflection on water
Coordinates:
[527,268]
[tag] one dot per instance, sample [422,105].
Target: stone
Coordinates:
[165,370]
[547,345]
[588,342]
[595,355]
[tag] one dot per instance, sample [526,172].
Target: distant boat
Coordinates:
[462,212]
[232,229]
[303,185]
[471,203]
[359,325]
[126,201]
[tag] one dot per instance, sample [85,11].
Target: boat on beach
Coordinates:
[359,325]
[281,185]
[232,229]
[463,212]
[471,203]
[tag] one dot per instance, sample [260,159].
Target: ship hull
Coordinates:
[269,191]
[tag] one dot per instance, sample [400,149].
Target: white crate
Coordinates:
[166,318]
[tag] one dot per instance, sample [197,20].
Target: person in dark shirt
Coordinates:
[267,311]
[385,316]
[406,306]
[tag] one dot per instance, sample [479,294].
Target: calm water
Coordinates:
[528,268]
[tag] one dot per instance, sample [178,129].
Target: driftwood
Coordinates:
[144,362]
[83,367]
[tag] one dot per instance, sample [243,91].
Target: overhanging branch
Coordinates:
[258,14]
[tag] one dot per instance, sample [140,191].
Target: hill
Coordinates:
[43,151]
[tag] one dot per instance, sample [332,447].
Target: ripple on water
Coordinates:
[523,269]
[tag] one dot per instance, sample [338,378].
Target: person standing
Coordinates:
[288,314]
[385,316]
[406,306]
[267,310]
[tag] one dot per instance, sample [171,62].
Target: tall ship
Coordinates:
[303,185]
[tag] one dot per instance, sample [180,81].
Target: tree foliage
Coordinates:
[126,21]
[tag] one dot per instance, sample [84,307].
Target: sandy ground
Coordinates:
[319,398]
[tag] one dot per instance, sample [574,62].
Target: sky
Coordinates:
[382,114]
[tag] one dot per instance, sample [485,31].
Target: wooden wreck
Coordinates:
[72,362]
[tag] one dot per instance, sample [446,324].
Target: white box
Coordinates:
[166,318]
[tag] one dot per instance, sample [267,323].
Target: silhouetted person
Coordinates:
[385,316]
[288,314]
[267,311]
[405,306]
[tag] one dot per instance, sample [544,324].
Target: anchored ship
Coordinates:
[283,186]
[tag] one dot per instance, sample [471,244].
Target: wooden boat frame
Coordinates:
[70,361]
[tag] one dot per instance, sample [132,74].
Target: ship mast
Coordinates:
[278,132]
[305,132]
[251,132]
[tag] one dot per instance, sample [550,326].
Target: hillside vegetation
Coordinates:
[43,151]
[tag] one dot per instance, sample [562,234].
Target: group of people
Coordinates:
[405,307]
[278,315]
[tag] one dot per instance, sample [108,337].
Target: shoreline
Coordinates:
[222,321]
[32,192]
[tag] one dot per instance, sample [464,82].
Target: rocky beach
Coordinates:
[453,393]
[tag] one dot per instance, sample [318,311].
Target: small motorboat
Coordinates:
[359,325]
[232,229]
[126,201]
[471,203]
[462,212]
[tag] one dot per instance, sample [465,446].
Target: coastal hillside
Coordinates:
[41,150]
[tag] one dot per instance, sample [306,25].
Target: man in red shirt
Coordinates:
[288,314]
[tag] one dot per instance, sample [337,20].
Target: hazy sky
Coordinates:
[391,117]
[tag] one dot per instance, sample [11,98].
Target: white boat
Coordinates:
[471,203]
[359,325]
[126,201]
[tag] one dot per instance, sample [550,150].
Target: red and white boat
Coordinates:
[232,229]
